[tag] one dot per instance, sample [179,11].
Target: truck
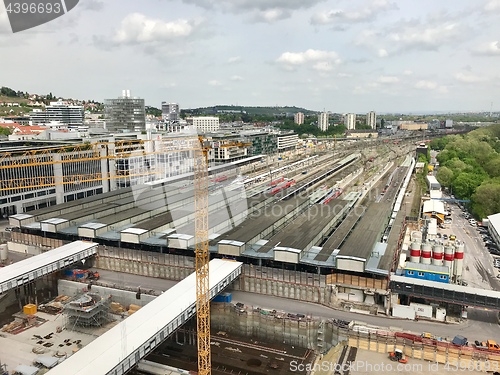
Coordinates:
[487,345]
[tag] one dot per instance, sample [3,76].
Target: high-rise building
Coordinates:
[125,113]
[371,119]
[170,112]
[298,118]
[59,112]
[204,124]
[323,121]
[350,121]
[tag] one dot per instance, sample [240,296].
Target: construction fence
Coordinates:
[357,281]
[461,357]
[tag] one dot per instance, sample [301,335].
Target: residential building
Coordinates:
[170,112]
[350,121]
[371,119]
[287,141]
[59,112]
[125,114]
[298,118]
[261,142]
[323,121]
[204,124]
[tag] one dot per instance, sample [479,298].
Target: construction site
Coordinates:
[324,229]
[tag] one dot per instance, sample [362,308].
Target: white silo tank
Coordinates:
[426,253]
[437,255]
[4,252]
[449,256]
[415,252]
[459,259]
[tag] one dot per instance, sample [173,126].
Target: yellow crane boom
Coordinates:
[202,258]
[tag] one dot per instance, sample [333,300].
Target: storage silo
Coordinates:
[415,252]
[437,255]
[459,259]
[4,252]
[426,253]
[449,256]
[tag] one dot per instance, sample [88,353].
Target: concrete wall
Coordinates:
[164,266]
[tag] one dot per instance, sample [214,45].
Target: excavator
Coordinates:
[398,356]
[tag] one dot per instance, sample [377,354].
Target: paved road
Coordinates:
[481,324]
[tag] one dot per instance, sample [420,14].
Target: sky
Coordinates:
[333,55]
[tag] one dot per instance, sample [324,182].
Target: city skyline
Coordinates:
[342,56]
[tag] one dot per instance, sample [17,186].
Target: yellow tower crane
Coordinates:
[202,258]
[18,162]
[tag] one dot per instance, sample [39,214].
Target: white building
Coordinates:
[59,112]
[298,118]
[204,124]
[287,141]
[170,112]
[350,121]
[323,121]
[371,119]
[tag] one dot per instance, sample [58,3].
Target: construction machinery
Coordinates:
[398,356]
[91,275]
[69,157]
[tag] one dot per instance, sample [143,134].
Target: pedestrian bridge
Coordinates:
[123,346]
[30,269]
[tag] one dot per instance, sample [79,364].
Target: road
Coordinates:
[481,324]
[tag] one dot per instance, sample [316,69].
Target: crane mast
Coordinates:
[202,258]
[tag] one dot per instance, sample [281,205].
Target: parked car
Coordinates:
[453,237]
[445,236]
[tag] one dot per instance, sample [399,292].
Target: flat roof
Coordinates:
[28,265]
[369,228]
[495,222]
[254,225]
[301,231]
[111,348]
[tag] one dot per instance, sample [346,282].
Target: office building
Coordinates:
[298,118]
[125,114]
[350,121]
[371,119]
[204,124]
[59,112]
[323,123]
[170,112]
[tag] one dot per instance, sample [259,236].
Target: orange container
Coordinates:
[29,309]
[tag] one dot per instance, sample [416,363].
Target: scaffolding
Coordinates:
[87,311]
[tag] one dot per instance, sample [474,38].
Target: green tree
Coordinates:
[445,176]
[465,184]
[486,199]
[493,167]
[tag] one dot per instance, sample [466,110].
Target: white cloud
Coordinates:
[382,53]
[368,12]
[425,36]
[259,10]
[407,72]
[344,75]
[236,78]
[319,60]
[234,59]
[426,85]
[489,49]
[388,79]
[468,78]
[492,6]
[272,15]
[214,82]
[137,28]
